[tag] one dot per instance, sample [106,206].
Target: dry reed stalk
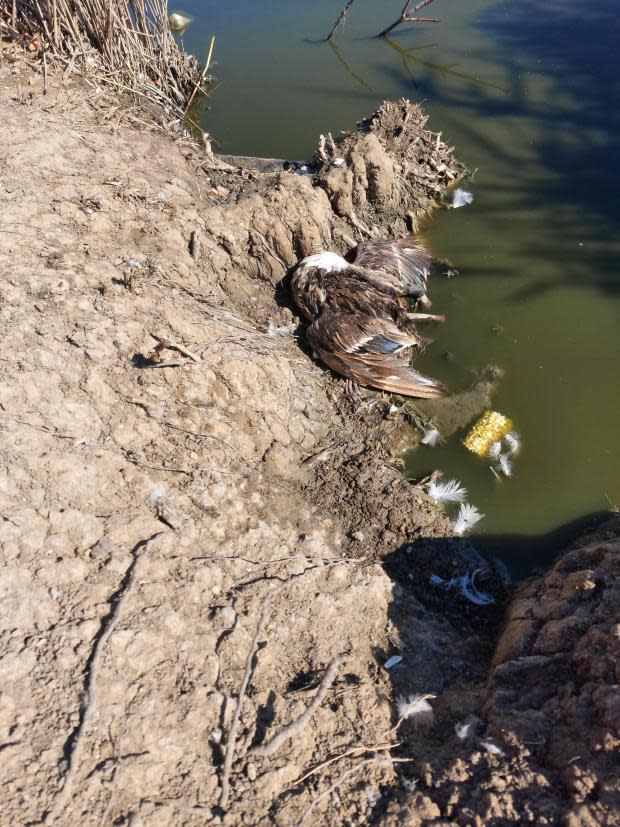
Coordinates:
[202,77]
[127,43]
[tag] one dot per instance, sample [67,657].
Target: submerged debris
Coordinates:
[450,491]
[466,586]
[490,428]
[466,519]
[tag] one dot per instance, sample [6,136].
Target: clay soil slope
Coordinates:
[195,524]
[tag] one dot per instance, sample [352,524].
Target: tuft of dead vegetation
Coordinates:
[123,44]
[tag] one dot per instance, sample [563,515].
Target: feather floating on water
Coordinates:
[460,198]
[430,436]
[495,449]
[450,491]
[512,441]
[466,519]
[504,465]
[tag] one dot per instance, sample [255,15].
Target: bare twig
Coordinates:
[330,790]
[405,17]
[341,19]
[376,759]
[299,723]
[166,344]
[232,735]
[362,748]
[174,363]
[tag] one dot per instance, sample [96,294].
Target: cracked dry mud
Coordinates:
[147,510]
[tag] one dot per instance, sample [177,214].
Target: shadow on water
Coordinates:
[576,46]
[577,128]
[448,70]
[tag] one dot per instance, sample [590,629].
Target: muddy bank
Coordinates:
[151,499]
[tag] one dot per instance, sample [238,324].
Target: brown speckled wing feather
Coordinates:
[347,292]
[366,348]
[406,259]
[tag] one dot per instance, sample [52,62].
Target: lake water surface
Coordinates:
[529,94]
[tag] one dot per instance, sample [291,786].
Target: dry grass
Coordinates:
[126,44]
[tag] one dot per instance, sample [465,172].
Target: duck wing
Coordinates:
[405,259]
[366,349]
[350,292]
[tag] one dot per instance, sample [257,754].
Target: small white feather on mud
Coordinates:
[466,729]
[416,709]
[492,748]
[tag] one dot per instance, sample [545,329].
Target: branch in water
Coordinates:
[341,18]
[405,17]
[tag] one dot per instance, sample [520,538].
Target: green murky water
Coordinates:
[529,97]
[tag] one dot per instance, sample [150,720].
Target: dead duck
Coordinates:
[359,309]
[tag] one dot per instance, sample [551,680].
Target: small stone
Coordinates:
[167,513]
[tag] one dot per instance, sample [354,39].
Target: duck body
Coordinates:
[358,309]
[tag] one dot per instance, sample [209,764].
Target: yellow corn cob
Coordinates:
[490,428]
